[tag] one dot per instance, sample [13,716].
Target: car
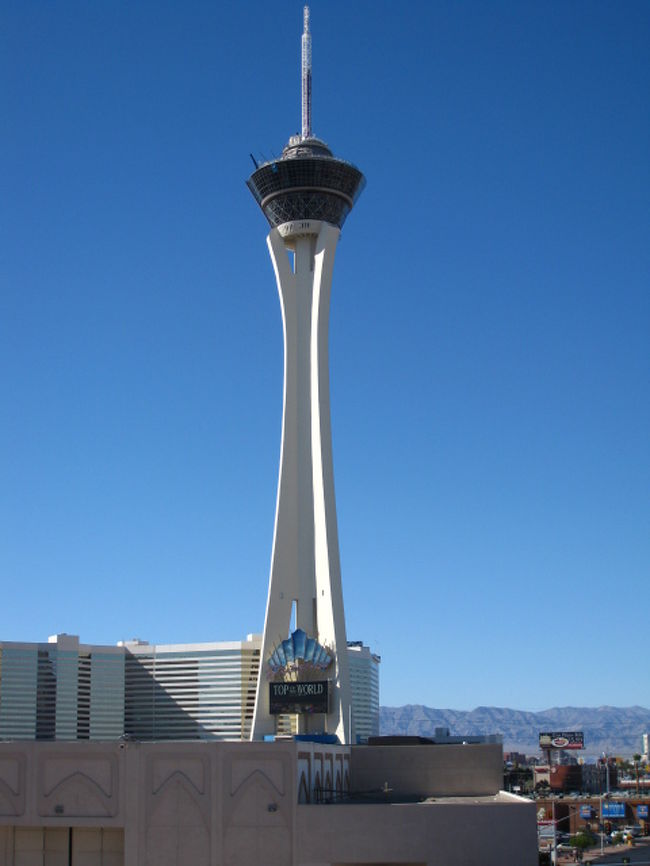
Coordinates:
[632,829]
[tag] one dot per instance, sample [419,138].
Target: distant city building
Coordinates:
[441,737]
[593,779]
[566,777]
[515,758]
[61,690]
[444,736]
[364,687]
[558,777]
[65,690]
[599,778]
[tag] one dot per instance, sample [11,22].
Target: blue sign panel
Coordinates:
[642,811]
[613,810]
[586,811]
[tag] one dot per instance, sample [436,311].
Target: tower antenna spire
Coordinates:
[306,76]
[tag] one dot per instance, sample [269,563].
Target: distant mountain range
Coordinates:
[613,730]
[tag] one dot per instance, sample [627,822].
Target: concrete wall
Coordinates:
[428,770]
[438,834]
[232,804]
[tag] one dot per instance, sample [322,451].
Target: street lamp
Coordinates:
[555,821]
[602,821]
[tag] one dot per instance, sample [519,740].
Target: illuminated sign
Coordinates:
[642,811]
[292,697]
[613,810]
[586,812]
[561,740]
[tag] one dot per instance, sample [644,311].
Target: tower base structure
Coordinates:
[305,591]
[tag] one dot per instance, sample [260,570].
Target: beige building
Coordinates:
[259,804]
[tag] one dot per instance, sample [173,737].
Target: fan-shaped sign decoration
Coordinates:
[298,648]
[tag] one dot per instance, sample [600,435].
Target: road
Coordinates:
[638,854]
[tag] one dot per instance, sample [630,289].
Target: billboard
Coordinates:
[642,812]
[561,740]
[613,810]
[294,697]
[586,812]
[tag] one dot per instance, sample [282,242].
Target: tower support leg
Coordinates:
[305,564]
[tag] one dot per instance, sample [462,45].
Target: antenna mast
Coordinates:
[306,76]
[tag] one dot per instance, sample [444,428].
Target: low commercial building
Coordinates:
[246,804]
[575,814]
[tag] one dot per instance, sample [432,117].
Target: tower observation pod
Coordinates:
[303,684]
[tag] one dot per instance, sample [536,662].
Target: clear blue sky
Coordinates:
[489,348]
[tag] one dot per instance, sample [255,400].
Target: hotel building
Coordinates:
[66,690]
[61,690]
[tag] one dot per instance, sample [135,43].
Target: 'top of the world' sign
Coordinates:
[299,697]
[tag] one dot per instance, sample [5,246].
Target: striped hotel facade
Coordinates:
[65,690]
[190,691]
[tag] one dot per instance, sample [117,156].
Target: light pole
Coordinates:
[555,821]
[602,817]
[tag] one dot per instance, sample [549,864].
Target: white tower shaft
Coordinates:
[305,566]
